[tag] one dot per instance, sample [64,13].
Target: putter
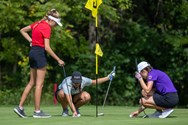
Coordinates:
[64,72]
[102,114]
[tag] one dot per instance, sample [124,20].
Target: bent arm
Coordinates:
[24,31]
[146,87]
[71,104]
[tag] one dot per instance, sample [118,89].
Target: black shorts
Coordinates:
[169,100]
[37,57]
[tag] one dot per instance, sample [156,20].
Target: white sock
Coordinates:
[38,111]
[21,107]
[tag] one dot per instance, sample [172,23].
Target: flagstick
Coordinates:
[96,19]
[96,85]
[93,6]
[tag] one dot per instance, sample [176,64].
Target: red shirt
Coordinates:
[40,30]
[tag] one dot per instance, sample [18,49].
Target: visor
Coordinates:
[57,20]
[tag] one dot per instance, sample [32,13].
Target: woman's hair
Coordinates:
[52,12]
[148,68]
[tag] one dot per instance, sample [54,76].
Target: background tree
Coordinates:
[151,30]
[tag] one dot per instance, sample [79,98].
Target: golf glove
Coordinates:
[138,76]
[111,75]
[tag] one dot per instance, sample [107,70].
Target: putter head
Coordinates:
[100,114]
[145,116]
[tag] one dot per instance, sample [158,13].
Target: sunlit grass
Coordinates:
[113,115]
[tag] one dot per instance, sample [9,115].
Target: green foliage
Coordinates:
[9,96]
[12,96]
[155,31]
[10,20]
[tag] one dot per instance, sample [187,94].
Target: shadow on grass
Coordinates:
[71,116]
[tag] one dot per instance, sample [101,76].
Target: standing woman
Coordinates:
[40,44]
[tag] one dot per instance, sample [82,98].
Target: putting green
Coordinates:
[113,115]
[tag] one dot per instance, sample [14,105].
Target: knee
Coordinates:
[143,92]
[142,102]
[60,95]
[86,97]
[31,84]
[39,85]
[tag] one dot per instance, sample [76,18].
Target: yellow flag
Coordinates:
[98,50]
[93,5]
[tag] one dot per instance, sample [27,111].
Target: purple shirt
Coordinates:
[162,82]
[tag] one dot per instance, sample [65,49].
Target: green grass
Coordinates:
[113,115]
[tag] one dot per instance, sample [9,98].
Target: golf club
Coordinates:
[67,83]
[66,80]
[102,114]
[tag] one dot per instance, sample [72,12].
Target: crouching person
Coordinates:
[158,91]
[70,92]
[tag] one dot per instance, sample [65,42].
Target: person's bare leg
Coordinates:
[81,99]
[146,102]
[39,84]
[62,99]
[149,103]
[139,110]
[28,87]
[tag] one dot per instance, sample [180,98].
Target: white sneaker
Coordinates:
[65,112]
[78,113]
[156,114]
[166,113]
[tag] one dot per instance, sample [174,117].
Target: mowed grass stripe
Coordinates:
[113,115]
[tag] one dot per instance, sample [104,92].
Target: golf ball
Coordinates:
[130,116]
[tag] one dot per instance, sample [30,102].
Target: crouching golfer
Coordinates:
[158,91]
[70,92]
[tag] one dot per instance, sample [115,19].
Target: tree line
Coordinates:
[129,30]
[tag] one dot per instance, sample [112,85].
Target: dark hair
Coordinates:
[148,68]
